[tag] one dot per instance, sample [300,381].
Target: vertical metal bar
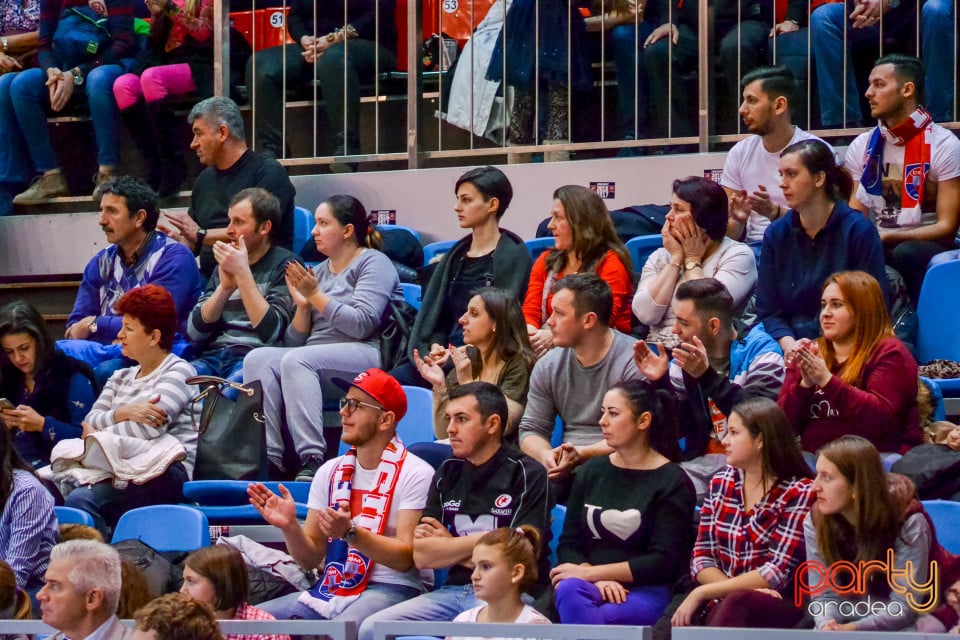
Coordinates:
[505,90]
[316,89]
[283,89]
[414,80]
[536,74]
[703,35]
[670,69]
[603,68]
[346,61]
[843,70]
[809,64]
[221,48]
[376,78]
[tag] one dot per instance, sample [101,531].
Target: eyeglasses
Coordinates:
[351,404]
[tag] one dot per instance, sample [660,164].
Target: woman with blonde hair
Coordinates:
[585,241]
[857,378]
[861,515]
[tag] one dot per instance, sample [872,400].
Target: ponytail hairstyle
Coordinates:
[817,157]
[348,210]
[662,435]
[520,546]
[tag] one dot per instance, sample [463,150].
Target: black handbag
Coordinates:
[395,333]
[231,441]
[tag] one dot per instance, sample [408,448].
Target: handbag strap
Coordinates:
[212,382]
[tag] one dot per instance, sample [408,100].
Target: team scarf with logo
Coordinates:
[345,569]
[916,165]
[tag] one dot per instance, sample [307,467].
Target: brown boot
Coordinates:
[44,188]
[99,179]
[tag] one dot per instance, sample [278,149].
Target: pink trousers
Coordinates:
[155,83]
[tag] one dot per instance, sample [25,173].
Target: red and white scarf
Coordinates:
[345,569]
[916,166]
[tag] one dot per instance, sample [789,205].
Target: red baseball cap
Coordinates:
[381,386]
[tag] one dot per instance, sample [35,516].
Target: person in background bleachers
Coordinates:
[695,246]
[246,303]
[857,378]
[496,350]
[504,566]
[141,422]
[72,531]
[220,143]
[863,515]
[362,512]
[28,525]
[85,76]
[138,254]
[585,242]
[14,601]
[488,484]
[174,617]
[489,257]
[819,236]
[590,357]
[339,307]
[341,45]
[750,538]
[939,50]
[625,537]
[49,392]
[217,576]
[19,39]
[81,592]
[717,364]
[842,33]
[751,172]
[178,61]
[906,170]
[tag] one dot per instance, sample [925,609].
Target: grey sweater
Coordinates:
[358,299]
[560,385]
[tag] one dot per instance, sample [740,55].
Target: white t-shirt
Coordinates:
[944,165]
[750,165]
[410,494]
[528,615]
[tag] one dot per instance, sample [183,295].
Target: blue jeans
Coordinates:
[376,597]
[14,173]
[939,49]
[441,605]
[627,40]
[226,363]
[579,602]
[31,102]
[833,64]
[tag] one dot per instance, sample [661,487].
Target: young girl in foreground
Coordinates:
[505,565]
[860,515]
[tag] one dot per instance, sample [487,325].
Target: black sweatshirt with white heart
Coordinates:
[644,518]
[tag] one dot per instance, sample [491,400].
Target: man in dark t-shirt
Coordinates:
[486,485]
[220,143]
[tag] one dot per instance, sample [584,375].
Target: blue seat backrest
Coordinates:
[640,249]
[938,314]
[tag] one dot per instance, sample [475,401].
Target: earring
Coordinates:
[514,581]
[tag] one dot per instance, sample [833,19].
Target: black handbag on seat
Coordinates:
[231,440]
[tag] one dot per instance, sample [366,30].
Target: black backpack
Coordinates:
[395,333]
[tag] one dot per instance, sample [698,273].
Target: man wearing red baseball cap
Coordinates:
[363,507]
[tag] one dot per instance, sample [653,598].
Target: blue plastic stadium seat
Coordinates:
[539,245]
[414,232]
[938,319]
[220,493]
[302,226]
[557,516]
[165,527]
[435,249]
[412,293]
[641,247]
[69,515]
[945,515]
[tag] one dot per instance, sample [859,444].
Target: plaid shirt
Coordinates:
[248,612]
[768,539]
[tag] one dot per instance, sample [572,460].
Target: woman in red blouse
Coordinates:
[750,539]
[857,378]
[585,240]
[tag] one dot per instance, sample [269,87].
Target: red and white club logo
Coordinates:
[503,500]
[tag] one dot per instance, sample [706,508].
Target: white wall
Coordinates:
[33,245]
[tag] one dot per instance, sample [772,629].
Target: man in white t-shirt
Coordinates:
[751,174]
[363,508]
[906,171]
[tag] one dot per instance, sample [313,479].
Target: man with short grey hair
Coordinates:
[81,592]
[220,143]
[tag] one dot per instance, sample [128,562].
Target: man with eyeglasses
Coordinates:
[363,508]
[487,484]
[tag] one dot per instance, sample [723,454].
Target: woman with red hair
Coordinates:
[857,378]
[142,418]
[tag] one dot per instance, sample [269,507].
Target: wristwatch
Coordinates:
[201,236]
[693,264]
[351,534]
[92,327]
[77,77]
